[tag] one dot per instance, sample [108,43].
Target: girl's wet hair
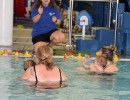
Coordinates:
[44,54]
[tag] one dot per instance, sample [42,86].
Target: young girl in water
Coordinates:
[97,67]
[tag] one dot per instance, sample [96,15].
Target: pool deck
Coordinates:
[92,58]
[22,41]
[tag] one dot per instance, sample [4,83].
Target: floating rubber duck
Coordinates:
[115,58]
[5,52]
[97,53]
[16,53]
[13,53]
[79,57]
[1,53]
[27,54]
[21,54]
[65,56]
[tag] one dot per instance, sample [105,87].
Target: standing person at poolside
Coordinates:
[45,16]
[45,71]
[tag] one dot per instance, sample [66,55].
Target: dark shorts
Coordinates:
[43,37]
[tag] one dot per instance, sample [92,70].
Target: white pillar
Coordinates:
[6,22]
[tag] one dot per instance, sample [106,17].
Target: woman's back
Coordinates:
[43,75]
[54,75]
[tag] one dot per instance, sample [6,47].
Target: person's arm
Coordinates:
[38,16]
[84,65]
[56,20]
[28,73]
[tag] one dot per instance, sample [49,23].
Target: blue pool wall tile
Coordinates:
[126,20]
[87,45]
[105,37]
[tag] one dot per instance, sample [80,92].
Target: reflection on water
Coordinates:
[80,85]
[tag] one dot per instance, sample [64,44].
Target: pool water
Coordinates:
[80,86]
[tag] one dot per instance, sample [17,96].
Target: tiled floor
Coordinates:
[22,39]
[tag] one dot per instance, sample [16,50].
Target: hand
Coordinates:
[54,19]
[40,10]
[84,64]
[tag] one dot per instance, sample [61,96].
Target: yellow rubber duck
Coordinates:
[79,57]
[16,53]
[13,53]
[1,53]
[5,52]
[27,54]
[97,53]
[115,58]
[21,54]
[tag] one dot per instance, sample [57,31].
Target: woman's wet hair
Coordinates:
[108,53]
[44,54]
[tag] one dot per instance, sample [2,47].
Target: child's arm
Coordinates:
[28,73]
[84,65]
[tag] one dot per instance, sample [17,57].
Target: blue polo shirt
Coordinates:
[45,24]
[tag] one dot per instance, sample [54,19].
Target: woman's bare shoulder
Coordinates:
[114,66]
[111,68]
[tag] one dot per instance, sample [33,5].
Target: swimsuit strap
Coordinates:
[60,76]
[35,75]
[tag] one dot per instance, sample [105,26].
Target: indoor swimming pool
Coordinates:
[80,85]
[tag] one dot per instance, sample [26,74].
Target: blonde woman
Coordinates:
[45,71]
